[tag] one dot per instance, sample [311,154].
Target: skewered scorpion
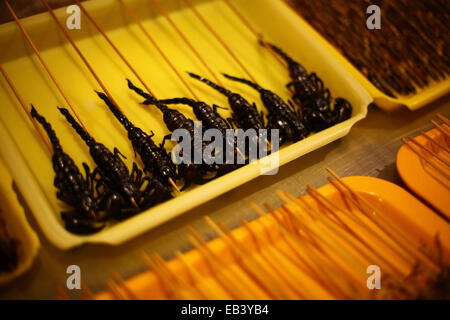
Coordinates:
[209,116]
[281,116]
[121,189]
[245,115]
[73,189]
[314,99]
[190,172]
[155,159]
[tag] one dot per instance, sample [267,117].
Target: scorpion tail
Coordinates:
[48,128]
[140,92]
[78,128]
[117,113]
[281,53]
[186,101]
[245,81]
[213,85]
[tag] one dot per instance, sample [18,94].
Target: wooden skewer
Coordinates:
[36,51]
[221,41]
[80,54]
[124,59]
[172,291]
[86,291]
[300,249]
[124,286]
[415,250]
[22,103]
[94,74]
[347,234]
[442,118]
[149,37]
[115,290]
[186,40]
[435,142]
[431,163]
[437,156]
[440,128]
[256,33]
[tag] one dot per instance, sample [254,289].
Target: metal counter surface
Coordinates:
[369,149]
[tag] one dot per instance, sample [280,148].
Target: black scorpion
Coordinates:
[73,189]
[190,172]
[155,159]
[122,195]
[245,115]
[281,116]
[314,99]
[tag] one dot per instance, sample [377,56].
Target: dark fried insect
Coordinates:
[245,115]
[278,111]
[210,118]
[190,172]
[73,189]
[122,189]
[155,159]
[312,97]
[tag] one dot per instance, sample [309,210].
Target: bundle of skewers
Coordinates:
[111,190]
[408,54]
[317,246]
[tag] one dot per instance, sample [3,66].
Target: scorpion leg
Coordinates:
[78,224]
[117,153]
[215,107]
[166,137]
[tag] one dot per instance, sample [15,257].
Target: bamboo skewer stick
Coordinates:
[440,128]
[115,290]
[219,38]
[44,64]
[124,286]
[133,70]
[255,267]
[348,235]
[22,103]
[80,54]
[336,286]
[431,163]
[186,40]
[255,33]
[153,42]
[207,289]
[111,43]
[231,280]
[442,118]
[326,203]
[97,78]
[413,140]
[414,249]
[435,142]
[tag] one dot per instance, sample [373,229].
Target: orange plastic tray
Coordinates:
[422,178]
[408,213]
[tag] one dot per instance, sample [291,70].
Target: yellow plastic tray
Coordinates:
[415,101]
[26,155]
[17,227]
[408,213]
